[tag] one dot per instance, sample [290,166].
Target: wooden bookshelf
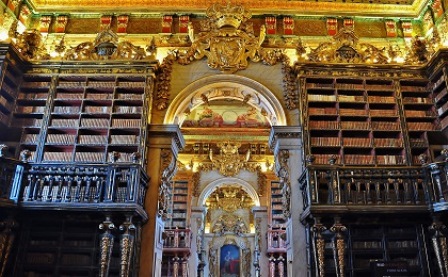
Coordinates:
[278,220]
[82,118]
[440,94]
[180,209]
[366,121]
[10,77]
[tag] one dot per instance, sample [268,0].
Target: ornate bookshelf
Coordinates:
[82,117]
[367,121]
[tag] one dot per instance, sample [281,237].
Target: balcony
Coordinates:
[116,187]
[177,241]
[276,241]
[333,189]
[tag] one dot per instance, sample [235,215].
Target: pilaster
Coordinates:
[196,262]
[164,143]
[286,143]
[261,260]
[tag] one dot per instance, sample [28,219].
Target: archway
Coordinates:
[225,86]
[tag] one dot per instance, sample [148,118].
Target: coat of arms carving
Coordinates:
[227,44]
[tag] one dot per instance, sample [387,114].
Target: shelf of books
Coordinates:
[31,111]
[64,248]
[440,93]
[419,115]
[365,121]
[385,243]
[10,77]
[278,219]
[91,118]
[180,209]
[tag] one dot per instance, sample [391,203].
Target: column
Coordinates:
[261,260]
[126,246]
[106,245]
[438,232]
[339,231]
[197,222]
[164,143]
[286,143]
[7,237]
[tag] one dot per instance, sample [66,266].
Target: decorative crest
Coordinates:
[226,44]
[227,16]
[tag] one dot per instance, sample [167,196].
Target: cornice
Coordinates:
[257,7]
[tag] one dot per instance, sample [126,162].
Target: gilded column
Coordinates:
[318,245]
[126,246]
[339,231]
[106,245]
[438,233]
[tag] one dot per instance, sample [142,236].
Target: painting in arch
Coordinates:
[230,261]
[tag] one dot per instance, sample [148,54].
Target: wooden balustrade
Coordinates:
[177,238]
[276,240]
[355,188]
[104,187]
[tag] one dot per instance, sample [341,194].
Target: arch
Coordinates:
[225,181]
[237,87]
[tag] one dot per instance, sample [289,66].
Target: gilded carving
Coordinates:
[105,47]
[195,183]
[228,43]
[345,49]
[164,82]
[229,162]
[31,46]
[168,170]
[225,45]
[418,53]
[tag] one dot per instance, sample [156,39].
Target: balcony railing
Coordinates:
[276,240]
[10,176]
[177,240]
[98,187]
[358,189]
[438,186]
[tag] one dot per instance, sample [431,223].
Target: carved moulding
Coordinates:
[106,46]
[345,49]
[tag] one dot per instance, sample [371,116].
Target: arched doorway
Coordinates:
[227,166]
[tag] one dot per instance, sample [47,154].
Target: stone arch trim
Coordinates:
[225,181]
[185,100]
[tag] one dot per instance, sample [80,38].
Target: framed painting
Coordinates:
[230,261]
